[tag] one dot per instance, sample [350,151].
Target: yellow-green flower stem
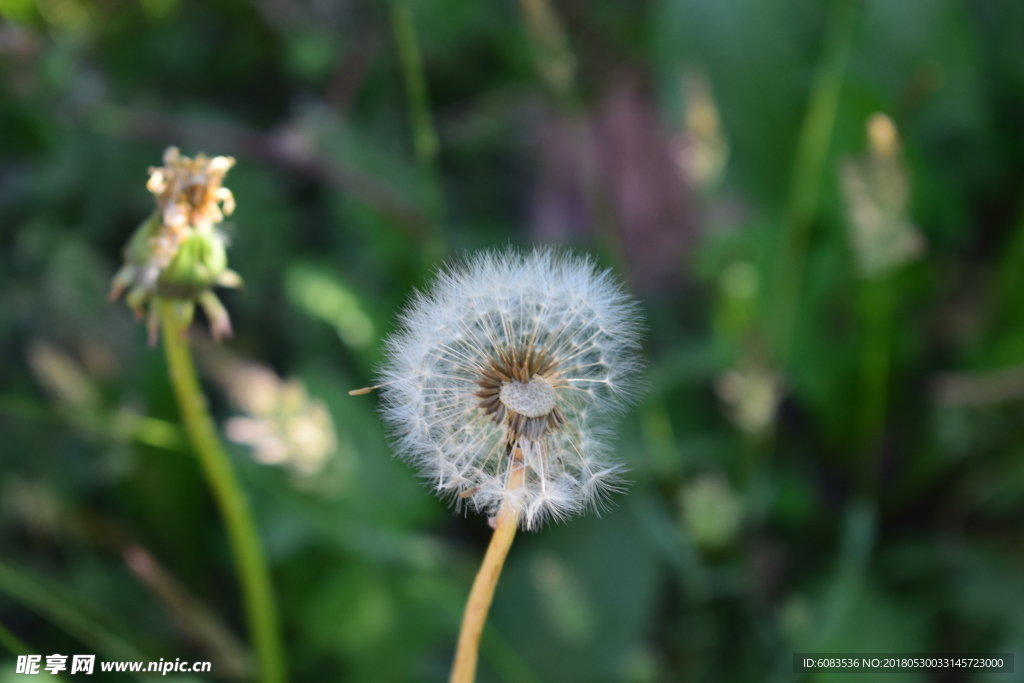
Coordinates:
[480,596]
[258,597]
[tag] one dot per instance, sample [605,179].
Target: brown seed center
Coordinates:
[517,390]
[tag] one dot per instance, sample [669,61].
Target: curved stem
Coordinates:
[479,603]
[257,595]
[480,596]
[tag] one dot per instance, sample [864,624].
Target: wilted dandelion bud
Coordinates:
[178,253]
[503,379]
[285,425]
[701,150]
[281,421]
[751,395]
[877,194]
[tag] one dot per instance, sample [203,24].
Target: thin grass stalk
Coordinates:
[425,141]
[53,603]
[250,564]
[507,664]
[14,644]
[424,134]
[17,646]
[878,305]
[809,170]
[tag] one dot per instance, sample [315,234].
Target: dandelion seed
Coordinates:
[511,367]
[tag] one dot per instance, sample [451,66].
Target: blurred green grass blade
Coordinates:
[659,440]
[672,544]
[194,618]
[554,59]
[321,294]
[425,140]
[858,541]
[878,305]
[19,647]
[809,169]
[692,362]
[26,409]
[153,431]
[149,431]
[500,656]
[52,602]
[13,643]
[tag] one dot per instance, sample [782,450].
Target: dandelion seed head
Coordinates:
[514,363]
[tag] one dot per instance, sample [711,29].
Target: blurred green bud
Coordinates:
[751,395]
[877,193]
[177,253]
[712,512]
[796,618]
[738,285]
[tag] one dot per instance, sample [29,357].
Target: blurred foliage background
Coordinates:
[819,204]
